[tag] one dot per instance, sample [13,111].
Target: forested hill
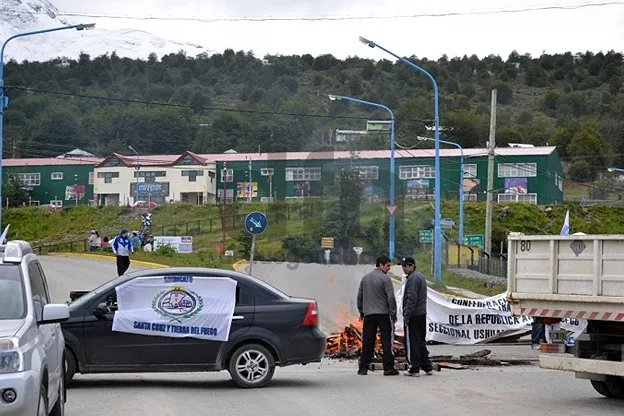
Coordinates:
[235,100]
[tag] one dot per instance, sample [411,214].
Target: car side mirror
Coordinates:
[100,310]
[54,313]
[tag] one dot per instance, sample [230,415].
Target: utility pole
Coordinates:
[224,207]
[490,183]
[249,185]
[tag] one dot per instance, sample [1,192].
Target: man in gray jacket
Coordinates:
[415,319]
[377,306]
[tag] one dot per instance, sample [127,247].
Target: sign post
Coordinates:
[255,223]
[358,251]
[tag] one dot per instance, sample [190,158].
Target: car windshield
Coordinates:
[103,288]
[12,293]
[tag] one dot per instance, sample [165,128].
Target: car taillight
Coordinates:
[311,316]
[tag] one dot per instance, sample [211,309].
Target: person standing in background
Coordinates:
[415,319]
[377,306]
[122,247]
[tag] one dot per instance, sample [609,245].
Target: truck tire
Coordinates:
[615,385]
[601,388]
[251,366]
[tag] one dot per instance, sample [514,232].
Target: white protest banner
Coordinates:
[463,321]
[176,306]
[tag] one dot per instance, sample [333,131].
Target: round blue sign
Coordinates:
[256,222]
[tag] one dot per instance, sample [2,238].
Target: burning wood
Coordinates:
[348,343]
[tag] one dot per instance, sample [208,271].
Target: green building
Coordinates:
[522,174]
[55,181]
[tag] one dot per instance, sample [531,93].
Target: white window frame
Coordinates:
[229,175]
[57,203]
[470,197]
[56,176]
[416,172]
[267,171]
[91,178]
[303,174]
[369,172]
[470,170]
[530,198]
[29,179]
[517,170]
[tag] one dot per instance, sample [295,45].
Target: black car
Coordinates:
[269,329]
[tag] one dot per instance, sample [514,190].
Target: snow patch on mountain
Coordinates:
[19,16]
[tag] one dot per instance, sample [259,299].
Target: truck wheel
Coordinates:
[251,366]
[601,388]
[70,365]
[615,385]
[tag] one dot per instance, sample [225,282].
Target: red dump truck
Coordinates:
[577,276]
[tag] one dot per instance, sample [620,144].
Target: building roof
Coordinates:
[51,161]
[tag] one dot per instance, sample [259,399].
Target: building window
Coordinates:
[417,172]
[57,176]
[303,174]
[192,174]
[517,170]
[369,172]
[29,179]
[266,171]
[229,175]
[470,171]
[91,178]
[108,176]
[470,197]
[56,202]
[520,198]
[558,181]
[150,174]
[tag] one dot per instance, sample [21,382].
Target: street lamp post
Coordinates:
[4,101]
[437,230]
[461,184]
[391,225]
[136,172]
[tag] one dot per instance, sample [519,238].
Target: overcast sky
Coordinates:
[595,29]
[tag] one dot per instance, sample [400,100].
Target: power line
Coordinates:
[193,107]
[527,9]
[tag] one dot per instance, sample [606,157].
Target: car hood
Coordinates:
[9,327]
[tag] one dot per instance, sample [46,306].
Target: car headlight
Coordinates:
[10,357]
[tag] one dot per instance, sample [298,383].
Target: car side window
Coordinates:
[243,296]
[39,292]
[110,299]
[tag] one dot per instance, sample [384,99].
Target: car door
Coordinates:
[108,349]
[194,352]
[49,332]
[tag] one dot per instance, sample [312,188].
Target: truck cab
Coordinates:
[31,341]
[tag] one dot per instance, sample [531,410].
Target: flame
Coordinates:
[348,342]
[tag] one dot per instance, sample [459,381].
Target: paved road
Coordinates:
[331,387]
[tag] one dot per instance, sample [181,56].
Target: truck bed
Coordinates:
[566,276]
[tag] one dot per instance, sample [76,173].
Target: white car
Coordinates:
[32,370]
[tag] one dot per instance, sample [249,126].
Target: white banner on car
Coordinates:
[463,321]
[176,306]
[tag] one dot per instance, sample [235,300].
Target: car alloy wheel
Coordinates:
[252,366]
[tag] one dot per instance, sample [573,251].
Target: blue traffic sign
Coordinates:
[256,222]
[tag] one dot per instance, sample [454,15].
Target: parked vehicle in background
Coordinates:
[577,276]
[268,329]
[32,377]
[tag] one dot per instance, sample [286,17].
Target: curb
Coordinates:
[109,258]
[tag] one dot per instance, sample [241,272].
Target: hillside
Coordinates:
[235,100]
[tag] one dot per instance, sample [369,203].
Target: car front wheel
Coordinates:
[251,366]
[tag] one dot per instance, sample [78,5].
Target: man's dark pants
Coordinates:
[369,338]
[416,344]
[123,263]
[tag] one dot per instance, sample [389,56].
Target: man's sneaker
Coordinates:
[391,373]
[429,373]
[410,374]
[362,372]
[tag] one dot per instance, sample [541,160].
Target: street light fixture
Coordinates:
[437,253]
[136,172]
[461,183]
[391,210]
[4,101]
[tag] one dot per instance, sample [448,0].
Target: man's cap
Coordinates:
[407,261]
[123,231]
